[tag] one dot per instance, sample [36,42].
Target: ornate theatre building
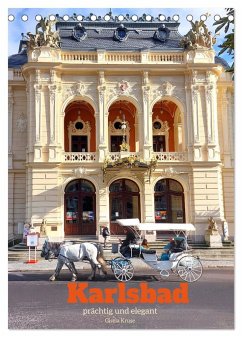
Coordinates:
[119,118]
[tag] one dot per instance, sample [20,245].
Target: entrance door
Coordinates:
[169,201]
[124,203]
[80,208]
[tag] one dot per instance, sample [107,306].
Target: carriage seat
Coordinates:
[150,258]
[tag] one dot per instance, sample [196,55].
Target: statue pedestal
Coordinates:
[213,238]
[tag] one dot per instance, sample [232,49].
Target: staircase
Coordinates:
[20,251]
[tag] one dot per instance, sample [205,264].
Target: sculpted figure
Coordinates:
[43,35]
[198,36]
[212,224]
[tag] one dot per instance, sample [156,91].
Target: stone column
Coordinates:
[147,117]
[225,125]
[103,125]
[197,155]
[37,143]
[212,123]
[52,132]
[188,127]
[10,127]
[149,215]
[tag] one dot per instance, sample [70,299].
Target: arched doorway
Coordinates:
[124,202]
[80,208]
[169,201]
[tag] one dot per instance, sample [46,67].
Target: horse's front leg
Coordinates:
[58,268]
[71,267]
[74,267]
[93,274]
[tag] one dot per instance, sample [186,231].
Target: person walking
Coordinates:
[105,234]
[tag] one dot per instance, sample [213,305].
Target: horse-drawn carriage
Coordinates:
[181,262]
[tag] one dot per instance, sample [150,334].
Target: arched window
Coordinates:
[80,208]
[169,201]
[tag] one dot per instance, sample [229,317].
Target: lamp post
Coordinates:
[124,146]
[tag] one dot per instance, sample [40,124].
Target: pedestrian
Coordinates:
[105,234]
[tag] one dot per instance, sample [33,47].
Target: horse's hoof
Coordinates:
[74,278]
[52,278]
[90,278]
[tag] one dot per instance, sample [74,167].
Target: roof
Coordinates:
[222,62]
[100,34]
[17,60]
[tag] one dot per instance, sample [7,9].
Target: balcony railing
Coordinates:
[79,157]
[75,157]
[170,156]
[113,156]
[105,57]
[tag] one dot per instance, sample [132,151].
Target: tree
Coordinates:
[228,44]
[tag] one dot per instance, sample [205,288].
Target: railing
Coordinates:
[121,57]
[80,57]
[113,156]
[166,58]
[79,157]
[17,75]
[170,156]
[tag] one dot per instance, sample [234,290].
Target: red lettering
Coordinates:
[96,295]
[148,295]
[109,292]
[76,292]
[133,295]
[180,295]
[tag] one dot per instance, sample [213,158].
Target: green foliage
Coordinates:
[228,44]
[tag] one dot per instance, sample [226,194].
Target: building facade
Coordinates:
[110,120]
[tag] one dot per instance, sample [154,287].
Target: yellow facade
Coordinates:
[187,95]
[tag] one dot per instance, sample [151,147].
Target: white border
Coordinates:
[206,4]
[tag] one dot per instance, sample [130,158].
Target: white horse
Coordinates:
[69,253]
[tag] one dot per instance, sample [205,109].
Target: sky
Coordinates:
[18,26]
[11,34]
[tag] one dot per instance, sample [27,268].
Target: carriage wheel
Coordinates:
[123,269]
[116,260]
[189,268]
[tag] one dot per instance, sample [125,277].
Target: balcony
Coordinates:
[90,157]
[170,156]
[77,157]
[114,156]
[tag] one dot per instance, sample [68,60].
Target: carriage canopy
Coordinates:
[182,227]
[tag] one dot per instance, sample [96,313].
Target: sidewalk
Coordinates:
[138,264]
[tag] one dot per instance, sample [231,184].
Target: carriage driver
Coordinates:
[130,238]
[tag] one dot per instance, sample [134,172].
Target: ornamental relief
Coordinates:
[21,122]
[123,88]
[76,89]
[156,93]
[165,89]
[84,127]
